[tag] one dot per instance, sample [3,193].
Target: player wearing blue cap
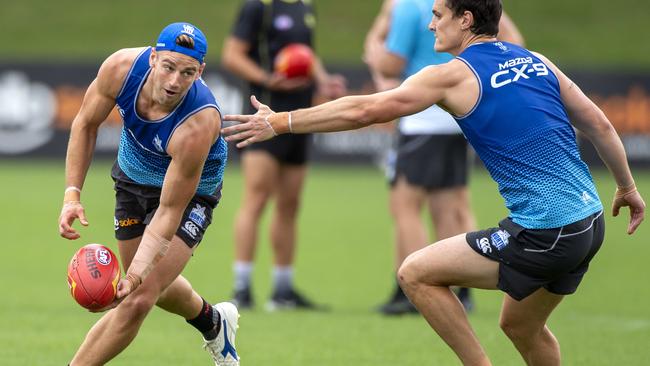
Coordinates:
[168,177]
[518,111]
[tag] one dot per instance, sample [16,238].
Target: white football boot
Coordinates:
[222,348]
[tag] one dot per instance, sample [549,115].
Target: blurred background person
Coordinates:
[274,169]
[430,165]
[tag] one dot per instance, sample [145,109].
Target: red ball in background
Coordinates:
[295,60]
[93,274]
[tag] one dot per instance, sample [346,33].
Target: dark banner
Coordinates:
[39,102]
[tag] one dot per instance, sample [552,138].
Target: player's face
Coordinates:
[173,74]
[446,27]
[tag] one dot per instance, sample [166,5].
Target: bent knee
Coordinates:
[138,305]
[517,330]
[408,275]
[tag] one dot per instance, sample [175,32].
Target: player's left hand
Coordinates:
[634,201]
[251,128]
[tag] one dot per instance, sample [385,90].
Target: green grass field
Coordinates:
[345,260]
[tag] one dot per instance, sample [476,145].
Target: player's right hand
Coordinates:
[251,128]
[69,212]
[634,201]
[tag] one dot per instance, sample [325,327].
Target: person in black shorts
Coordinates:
[522,124]
[430,166]
[274,169]
[168,178]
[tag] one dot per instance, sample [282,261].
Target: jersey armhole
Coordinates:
[480,91]
[190,114]
[128,74]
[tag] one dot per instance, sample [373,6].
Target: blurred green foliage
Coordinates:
[576,33]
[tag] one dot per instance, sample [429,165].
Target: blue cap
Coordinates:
[167,40]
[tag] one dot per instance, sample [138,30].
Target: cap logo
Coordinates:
[188,29]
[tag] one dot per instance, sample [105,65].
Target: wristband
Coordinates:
[624,191]
[290,127]
[72,188]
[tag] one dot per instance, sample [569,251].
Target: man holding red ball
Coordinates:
[275,168]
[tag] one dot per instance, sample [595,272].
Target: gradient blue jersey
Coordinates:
[520,129]
[142,153]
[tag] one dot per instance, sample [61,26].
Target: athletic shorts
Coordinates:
[431,161]
[136,204]
[288,148]
[555,259]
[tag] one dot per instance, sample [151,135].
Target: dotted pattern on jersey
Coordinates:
[541,177]
[147,168]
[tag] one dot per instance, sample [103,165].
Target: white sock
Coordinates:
[283,278]
[242,272]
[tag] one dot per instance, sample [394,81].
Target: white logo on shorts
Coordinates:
[191,229]
[484,245]
[500,239]
[198,215]
[103,256]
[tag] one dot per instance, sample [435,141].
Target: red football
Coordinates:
[93,274]
[295,60]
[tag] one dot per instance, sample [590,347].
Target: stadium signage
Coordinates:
[38,103]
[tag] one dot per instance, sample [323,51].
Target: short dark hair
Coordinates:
[185,41]
[487,14]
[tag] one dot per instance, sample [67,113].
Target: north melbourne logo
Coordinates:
[188,29]
[157,142]
[500,239]
[198,215]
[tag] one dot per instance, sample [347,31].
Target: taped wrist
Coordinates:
[279,122]
[624,191]
[152,249]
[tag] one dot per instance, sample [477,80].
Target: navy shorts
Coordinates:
[135,205]
[529,259]
[431,161]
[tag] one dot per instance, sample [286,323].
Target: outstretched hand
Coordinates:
[251,128]
[634,201]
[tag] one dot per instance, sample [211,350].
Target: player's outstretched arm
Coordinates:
[417,93]
[98,102]
[592,122]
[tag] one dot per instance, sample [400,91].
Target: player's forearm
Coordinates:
[154,244]
[611,151]
[79,155]
[180,185]
[347,113]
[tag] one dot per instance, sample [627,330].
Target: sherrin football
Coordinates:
[295,60]
[93,274]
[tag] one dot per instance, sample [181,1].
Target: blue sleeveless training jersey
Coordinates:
[142,153]
[520,130]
